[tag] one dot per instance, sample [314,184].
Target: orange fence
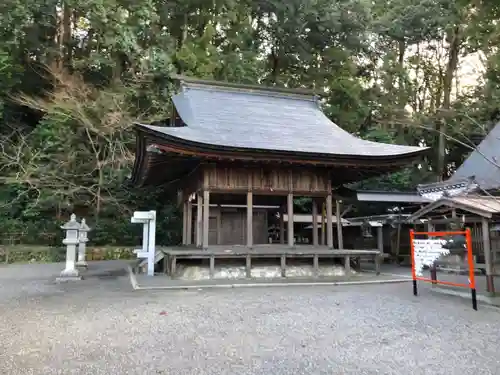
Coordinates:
[429,250]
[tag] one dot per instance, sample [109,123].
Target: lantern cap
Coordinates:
[84,227]
[72,224]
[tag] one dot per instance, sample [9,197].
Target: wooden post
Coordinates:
[490,284]
[380,239]
[340,236]
[249,219]
[329,221]
[282,225]
[199,221]
[433,268]
[189,230]
[206,215]
[248,266]
[184,223]
[316,265]
[290,220]
[323,233]
[219,225]
[315,222]
[283,265]
[398,238]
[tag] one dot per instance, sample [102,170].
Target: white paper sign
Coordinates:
[426,252]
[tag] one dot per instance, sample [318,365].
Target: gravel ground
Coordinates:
[103,327]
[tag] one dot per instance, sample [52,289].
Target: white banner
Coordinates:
[426,252]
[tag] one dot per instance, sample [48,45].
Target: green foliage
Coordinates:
[75,75]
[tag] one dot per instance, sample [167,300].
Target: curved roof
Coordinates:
[262,119]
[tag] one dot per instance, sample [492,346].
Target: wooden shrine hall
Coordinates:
[236,150]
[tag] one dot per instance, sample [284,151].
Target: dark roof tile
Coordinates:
[266,120]
[483,163]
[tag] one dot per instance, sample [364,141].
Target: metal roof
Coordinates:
[483,163]
[228,116]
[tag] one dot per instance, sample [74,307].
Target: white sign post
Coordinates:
[148,220]
[426,252]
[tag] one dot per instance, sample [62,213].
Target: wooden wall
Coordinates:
[228,226]
[266,180]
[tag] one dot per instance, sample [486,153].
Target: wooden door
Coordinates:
[232,228]
[212,230]
[260,230]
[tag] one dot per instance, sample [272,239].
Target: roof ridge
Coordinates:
[253,89]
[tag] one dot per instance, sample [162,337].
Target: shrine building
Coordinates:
[235,150]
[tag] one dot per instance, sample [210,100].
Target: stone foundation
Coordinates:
[258,272]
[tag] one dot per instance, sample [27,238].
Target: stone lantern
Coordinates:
[82,244]
[72,228]
[366,230]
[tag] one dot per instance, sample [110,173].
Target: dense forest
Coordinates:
[75,75]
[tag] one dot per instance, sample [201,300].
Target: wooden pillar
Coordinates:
[329,221]
[249,219]
[433,268]
[380,239]
[290,220]
[398,238]
[490,284]
[282,225]
[184,223]
[315,222]
[340,236]
[323,227]
[206,216]
[189,229]
[219,225]
[199,221]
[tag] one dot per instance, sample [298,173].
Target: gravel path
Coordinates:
[103,327]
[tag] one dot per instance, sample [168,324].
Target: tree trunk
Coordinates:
[66,34]
[401,65]
[451,67]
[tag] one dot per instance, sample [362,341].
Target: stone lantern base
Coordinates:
[81,264]
[69,275]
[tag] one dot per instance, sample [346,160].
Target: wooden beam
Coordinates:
[338,216]
[199,221]
[449,204]
[315,221]
[290,220]
[189,230]
[490,284]
[249,219]
[329,221]
[206,217]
